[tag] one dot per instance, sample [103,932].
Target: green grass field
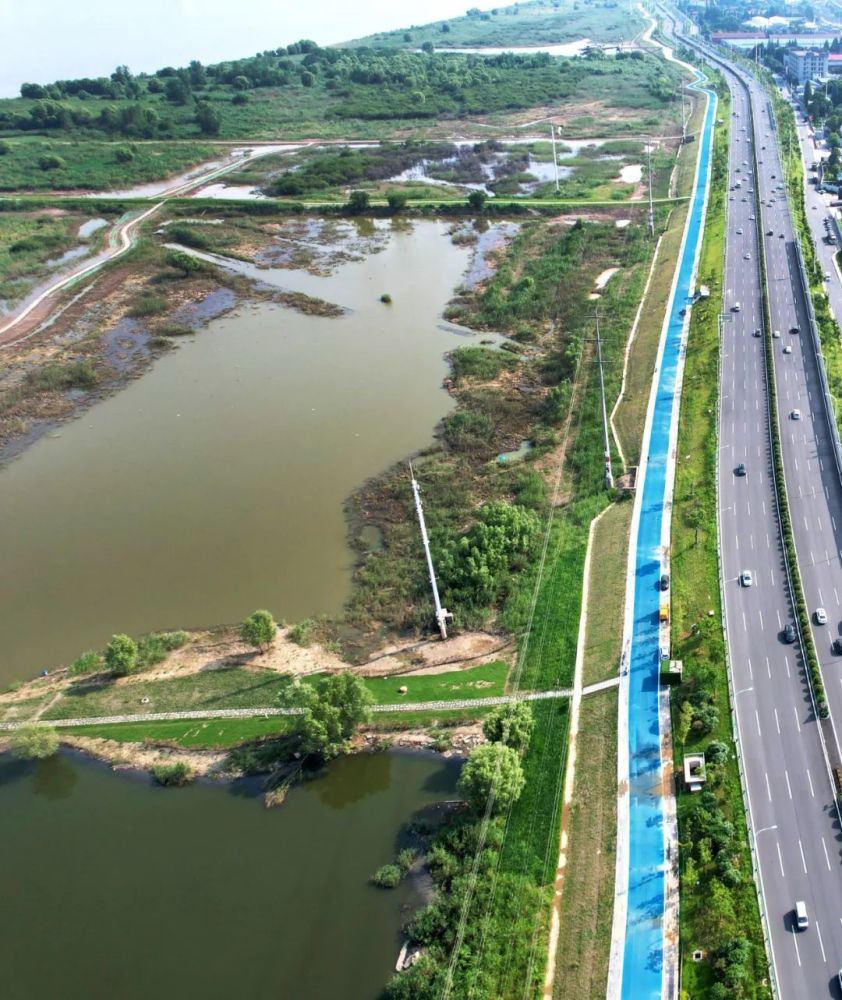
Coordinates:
[94,165]
[523,24]
[241,688]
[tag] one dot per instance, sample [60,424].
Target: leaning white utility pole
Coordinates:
[442,614]
[555,159]
[651,216]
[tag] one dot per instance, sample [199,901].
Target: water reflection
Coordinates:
[54,778]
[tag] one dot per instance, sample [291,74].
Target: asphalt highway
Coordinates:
[794,819]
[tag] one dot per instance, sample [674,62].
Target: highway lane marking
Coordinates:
[794,709]
[788,786]
[778,613]
[750,672]
[751,541]
[768,787]
[768,667]
[833,522]
[781,863]
[836,595]
[745,627]
[826,855]
[760,615]
[819,933]
[777,722]
[768,546]
[757,720]
[810,783]
[803,862]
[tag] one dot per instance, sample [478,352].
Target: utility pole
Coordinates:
[442,614]
[651,216]
[555,159]
[609,475]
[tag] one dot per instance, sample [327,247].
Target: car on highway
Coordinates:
[781,235]
[770,232]
[787,349]
[789,634]
[746,578]
[827,275]
[736,307]
[740,232]
[776,334]
[747,255]
[836,646]
[796,414]
[794,330]
[821,616]
[664,581]
[751,217]
[801,921]
[740,470]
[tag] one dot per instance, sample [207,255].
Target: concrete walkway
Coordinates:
[267,712]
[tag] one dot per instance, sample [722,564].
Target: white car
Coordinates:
[787,349]
[751,218]
[746,578]
[739,232]
[821,616]
[746,256]
[827,275]
[796,414]
[776,334]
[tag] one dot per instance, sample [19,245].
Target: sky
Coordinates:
[46,40]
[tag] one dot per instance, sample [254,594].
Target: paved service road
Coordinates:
[790,792]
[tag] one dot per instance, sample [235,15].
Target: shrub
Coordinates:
[259,629]
[5,147]
[510,724]
[50,162]
[358,202]
[492,768]
[716,752]
[466,430]
[387,876]
[240,99]
[148,304]
[185,263]
[33,742]
[153,648]
[397,201]
[478,362]
[302,633]
[189,236]
[121,655]
[88,663]
[386,298]
[406,859]
[172,775]
[124,155]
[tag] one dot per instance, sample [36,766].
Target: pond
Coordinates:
[216,483]
[117,888]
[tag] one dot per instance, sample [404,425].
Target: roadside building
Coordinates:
[834,63]
[805,64]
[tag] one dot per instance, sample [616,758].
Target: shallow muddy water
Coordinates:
[215,484]
[122,889]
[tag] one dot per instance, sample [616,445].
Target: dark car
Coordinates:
[794,330]
[789,633]
[770,232]
[836,646]
[665,581]
[740,470]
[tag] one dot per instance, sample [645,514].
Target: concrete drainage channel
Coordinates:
[640,967]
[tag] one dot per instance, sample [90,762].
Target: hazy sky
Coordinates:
[46,40]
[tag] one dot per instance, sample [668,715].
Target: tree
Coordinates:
[307,79]
[477,200]
[397,201]
[357,202]
[259,629]
[120,655]
[511,725]
[176,90]
[685,720]
[33,742]
[492,768]
[32,90]
[241,83]
[331,712]
[207,118]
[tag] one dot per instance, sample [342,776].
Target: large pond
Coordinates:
[115,888]
[215,484]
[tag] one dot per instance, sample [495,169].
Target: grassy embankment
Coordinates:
[718,896]
[62,164]
[588,889]
[631,413]
[531,23]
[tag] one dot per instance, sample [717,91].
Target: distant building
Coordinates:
[805,64]
[834,63]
